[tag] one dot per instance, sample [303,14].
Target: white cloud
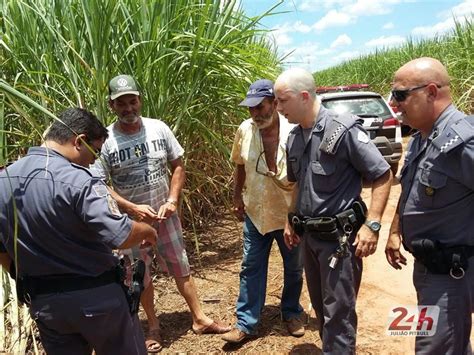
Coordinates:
[466,8]
[332,19]
[306,49]
[437,29]
[460,12]
[309,56]
[367,8]
[281,39]
[299,26]
[385,41]
[388,26]
[342,40]
[315,5]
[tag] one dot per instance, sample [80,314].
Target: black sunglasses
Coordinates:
[265,171]
[401,95]
[97,151]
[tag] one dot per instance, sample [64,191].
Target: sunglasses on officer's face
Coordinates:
[401,95]
[97,151]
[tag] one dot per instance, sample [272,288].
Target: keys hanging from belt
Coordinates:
[342,249]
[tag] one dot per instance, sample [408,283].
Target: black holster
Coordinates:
[134,291]
[440,259]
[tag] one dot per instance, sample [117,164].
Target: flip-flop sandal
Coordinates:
[153,341]
[213,328]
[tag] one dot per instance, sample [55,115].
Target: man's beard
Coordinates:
[130,119]
[263,122]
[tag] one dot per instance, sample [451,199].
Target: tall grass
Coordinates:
[455,50]
[193,60]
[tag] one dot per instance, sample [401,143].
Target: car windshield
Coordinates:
[360,106]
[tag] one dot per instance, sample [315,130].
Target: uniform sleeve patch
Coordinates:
[363,137]
[100,190]
[113,206]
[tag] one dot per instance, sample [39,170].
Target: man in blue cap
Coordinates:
[261,197]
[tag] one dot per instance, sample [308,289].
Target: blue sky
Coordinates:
[323,33]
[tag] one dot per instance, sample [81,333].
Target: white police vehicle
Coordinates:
[380,121]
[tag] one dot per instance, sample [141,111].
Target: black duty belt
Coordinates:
[330,228]
[38,285]
[439,258]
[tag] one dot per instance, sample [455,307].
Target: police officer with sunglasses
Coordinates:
[435,213]
[58,227]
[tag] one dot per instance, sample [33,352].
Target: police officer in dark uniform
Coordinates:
[328,155]
[435,212]
[58,226]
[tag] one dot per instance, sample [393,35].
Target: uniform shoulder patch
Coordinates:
[455,135]
[346,120]
[100,190]
[113,206]
[336,128]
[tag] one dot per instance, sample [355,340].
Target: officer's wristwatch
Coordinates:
[373,225]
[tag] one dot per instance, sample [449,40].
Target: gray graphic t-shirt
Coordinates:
[137,164]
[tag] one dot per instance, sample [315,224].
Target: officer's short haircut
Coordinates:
[298,79]
[75,121]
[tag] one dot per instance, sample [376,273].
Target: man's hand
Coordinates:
[239,208]
[166,210]
[144,213]
[392,251]
[290,237]
[366,242]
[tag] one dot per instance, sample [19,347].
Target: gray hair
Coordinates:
[297,80]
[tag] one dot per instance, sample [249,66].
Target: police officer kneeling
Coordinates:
[67,227]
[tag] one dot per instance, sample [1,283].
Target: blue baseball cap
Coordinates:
[257,92]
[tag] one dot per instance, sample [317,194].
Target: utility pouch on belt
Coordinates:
[21,290]
[440,259]
[134,291]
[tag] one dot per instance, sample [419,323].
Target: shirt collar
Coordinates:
[441,122]
[44,151]
[321,119]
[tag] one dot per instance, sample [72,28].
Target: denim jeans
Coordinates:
[253,277]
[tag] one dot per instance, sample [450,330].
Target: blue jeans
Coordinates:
[253,277]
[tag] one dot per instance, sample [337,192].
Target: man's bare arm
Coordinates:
[366,239]
[141,233]
[239,181]
[178,177]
